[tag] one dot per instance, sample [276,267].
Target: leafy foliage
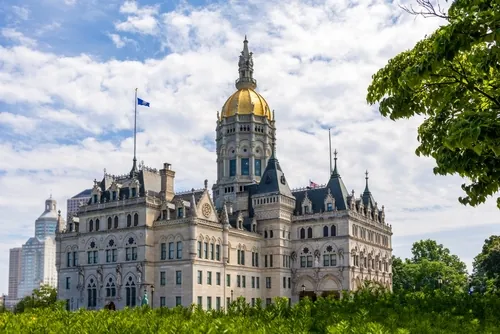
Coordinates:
[451,77]
[486,275]
[45,296]
[430,264]
[367,311]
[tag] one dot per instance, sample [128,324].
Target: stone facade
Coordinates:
[256,239]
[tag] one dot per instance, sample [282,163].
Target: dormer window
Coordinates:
[329,206]
[306,208]
[95,198]
[113,195]
[180,212]
[134,192]
[254,227]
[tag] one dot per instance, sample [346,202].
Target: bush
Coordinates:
[362,312]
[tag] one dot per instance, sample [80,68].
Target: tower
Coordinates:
[244,137]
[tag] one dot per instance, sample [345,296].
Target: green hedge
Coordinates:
[363,312]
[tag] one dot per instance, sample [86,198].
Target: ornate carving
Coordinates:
[118,276]
[206,210]
[293,257]
[138,267]
[99,276]
[81,278]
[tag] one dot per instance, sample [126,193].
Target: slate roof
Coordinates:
[85,193]
[317,195]
[273,179]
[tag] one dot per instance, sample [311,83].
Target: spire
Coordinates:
[192,207]
[367,190]
[335,172]
[245,69]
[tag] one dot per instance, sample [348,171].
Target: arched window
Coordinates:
[110,223]
[110,288]
[116,221]
[130,293]
[329,257]
[302,233]
[91,225]
[325,231]
[136,219]
[334,231]
[310,232]
[97,224]
[271,234]
[129,220]
[265,234]
[91,294]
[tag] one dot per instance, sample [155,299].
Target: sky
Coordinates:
[68,70]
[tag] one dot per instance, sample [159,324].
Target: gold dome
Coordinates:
[246,101]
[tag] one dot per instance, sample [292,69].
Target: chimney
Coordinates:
[167,182]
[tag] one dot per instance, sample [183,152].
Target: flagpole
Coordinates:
[134,168]
[330,149]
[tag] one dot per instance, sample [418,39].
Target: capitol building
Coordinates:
[249,236]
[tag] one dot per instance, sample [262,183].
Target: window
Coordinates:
[97,224]
[200,301]
[170,250]
[68,259]
[268,301]
[110,288]
[330,260]
[75,259]
[200,277]
[284,282]
[178,277]
[253,282]
[163,251]
[271,260]
[244,281]
[180,213]
[68,281]
[265,261]
[116,222]
[178,301]
[257,282]
[228,301]
[271,234]
[129,220]
[217,303]
[95,198]
[209,277]
[302,233]
[92,257]
[92,294]
[111,255]
[253,302]
[163,301]
[217,252]
[245,166]
[130,253]
[205,250]
[228,280]
[329,207]
[232,167]
[136,219]
[199,249]
[242,258]
[163,278]
[217,278]
[258,168]
[289,283]
[179,249]
[310,232]
[114,195]
[110,223]
[130,293]
[209,303]
[325,231]
[91,225]
[238,281]
[334,231]
[306,261]
[268,282]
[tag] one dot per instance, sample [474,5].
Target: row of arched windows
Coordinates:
[328,231]
[113,222]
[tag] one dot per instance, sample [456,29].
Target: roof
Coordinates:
[85,193]
[273,179]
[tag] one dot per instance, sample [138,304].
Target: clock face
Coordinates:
[206,210]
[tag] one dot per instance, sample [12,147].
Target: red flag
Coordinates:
[312,184]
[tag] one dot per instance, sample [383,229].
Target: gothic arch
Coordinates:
[93,239]
[330,283]
[200,237]
[89,278]
[105,243]
[163,239]
[325,244]
[74,248]
[127,237]
[307,281]
[178,237]
[300,248]
[68,248]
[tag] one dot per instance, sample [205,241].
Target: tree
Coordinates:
[431,267]
[451,77]
[486,266]
[45,296]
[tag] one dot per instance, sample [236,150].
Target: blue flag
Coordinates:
[141,102]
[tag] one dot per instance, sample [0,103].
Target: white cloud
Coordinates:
[18,37]
[21,12]
[91,99]
[70,2]
[120,41]
[19,123]
[139,20]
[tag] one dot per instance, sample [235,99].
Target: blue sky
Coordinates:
[68,69]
